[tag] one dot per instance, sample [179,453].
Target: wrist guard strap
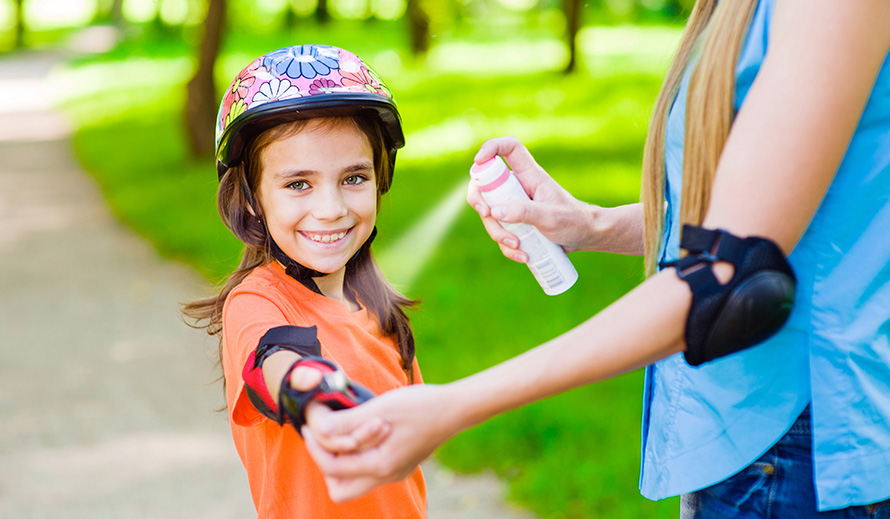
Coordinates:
[750,308]
[298,339]
[335,391]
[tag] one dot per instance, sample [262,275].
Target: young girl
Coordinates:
[773,125]
[306,143]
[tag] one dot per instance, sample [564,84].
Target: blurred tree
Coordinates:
[19,41]
[370,14]
[572,9]
[290,16]
[418,27]
[110,11]
[322,14]
[201,100]
[679,7]
[157,22]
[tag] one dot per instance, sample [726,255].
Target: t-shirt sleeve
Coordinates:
[415,367]
[246,318]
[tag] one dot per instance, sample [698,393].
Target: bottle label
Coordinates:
[547,272]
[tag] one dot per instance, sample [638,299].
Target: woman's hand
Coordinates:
[559,216]
[414,420]
[366,435]
[553,210]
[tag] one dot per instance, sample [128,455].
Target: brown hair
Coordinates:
[363,275]
[715,33]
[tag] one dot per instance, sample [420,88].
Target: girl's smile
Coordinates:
[325,237]
[318,193]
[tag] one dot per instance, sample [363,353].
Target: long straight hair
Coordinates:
[713,35]
[363,276]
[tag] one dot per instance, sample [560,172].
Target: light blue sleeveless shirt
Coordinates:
[702,425]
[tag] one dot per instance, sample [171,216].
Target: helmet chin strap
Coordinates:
[304,274]
[292,268]
[295,270]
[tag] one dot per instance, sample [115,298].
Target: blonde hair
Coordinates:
[714,33]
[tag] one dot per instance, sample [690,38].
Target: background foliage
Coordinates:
[493,67]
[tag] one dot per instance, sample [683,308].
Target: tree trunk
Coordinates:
[201,101]
[103,12]
[157,22]
[19,24]
[110,11]
[117,13]
[322,15]
[419,27]
[679,8]
[290,16]
[572,10]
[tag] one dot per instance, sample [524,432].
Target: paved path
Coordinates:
[106,397]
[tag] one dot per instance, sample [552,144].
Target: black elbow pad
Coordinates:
[748,309]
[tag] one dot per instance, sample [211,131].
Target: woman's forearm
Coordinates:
[640,328]
[615,229]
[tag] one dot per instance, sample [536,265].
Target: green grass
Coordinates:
[573,455]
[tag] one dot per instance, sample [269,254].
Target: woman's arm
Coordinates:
[645,325]
[784,149]
[788,139]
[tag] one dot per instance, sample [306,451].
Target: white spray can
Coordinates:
[547,260]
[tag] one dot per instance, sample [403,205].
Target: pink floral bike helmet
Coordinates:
[301,82]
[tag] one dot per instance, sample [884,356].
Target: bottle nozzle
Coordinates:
[492,171]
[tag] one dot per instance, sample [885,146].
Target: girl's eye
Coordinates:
[354,180]
[299,185]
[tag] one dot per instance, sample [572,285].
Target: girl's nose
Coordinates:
[330,204]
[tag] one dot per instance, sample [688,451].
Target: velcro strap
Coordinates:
[255,387]
[711,244]
[302,340]
[335,391]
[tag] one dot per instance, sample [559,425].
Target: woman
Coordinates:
[795,426]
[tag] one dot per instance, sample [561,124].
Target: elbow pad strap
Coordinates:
[298,339]
[335,391]
[750,308]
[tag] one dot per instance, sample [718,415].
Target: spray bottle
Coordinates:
[547,260]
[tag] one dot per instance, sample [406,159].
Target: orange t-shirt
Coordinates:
[284,480]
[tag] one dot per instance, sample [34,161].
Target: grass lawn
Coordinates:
[574,455]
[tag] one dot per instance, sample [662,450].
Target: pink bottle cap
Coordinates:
[490,174]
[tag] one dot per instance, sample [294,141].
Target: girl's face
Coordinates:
[318,191]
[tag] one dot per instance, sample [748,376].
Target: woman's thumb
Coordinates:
[516,211]
[334,423]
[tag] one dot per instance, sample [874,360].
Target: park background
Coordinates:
[575,81]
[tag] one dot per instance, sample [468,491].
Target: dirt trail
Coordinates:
[106,397]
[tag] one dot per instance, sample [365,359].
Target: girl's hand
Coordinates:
[553,210]
[416,423]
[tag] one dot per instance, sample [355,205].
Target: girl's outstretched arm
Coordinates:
[782,153]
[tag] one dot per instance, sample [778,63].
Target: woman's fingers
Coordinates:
[474,198]
[507,241]
[339,489]
[515,153]
[365,434]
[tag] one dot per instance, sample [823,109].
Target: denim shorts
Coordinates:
[779,485]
